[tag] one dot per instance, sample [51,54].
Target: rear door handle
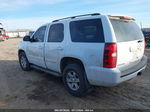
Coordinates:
[59,48]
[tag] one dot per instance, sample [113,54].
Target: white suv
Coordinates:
[86,50]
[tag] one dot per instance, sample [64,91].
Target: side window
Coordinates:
[39,34]
[87,31]
[56,33]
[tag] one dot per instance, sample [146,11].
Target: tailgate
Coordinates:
[130,52]
[130,42]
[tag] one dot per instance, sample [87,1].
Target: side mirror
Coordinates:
[26,38]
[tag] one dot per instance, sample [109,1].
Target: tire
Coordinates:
[24,63]
[75,80]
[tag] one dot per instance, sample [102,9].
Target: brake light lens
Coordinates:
[123,17]
[110,55]
[126,18]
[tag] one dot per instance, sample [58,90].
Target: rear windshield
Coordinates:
[126,30]
[87,31]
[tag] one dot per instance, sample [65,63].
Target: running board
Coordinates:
[46,70]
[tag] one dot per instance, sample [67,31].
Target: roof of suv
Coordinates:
[127,18]
[72,17]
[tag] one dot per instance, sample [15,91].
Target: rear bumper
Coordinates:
[111,77]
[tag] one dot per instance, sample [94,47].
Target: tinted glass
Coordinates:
[87,31]
[39,34]
[126,30]
[56,33]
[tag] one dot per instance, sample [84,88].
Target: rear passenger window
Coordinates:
[56,33]
[87,31]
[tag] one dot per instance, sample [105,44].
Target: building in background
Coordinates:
[19,33]
[15,33]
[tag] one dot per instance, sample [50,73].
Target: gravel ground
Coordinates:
[35,89]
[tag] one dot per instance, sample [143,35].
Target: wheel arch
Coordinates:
[20,50]
[68,60]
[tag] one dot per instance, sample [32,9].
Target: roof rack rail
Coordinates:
[72,17]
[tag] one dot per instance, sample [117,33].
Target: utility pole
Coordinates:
[141,25]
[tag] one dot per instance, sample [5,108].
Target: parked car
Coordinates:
[1,37]
[147,40]
[5,37]
[86,50]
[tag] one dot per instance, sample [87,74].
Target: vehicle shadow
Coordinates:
[49,90]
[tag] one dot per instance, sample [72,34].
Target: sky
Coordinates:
[30,14]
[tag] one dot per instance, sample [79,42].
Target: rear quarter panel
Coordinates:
[91,54]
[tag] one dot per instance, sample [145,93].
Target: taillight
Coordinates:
[110,55]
